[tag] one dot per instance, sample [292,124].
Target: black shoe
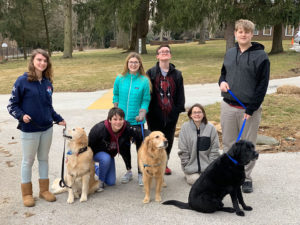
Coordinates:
[247,187]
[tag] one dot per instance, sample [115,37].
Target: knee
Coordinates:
[103,158]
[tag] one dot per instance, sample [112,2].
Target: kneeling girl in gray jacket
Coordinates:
[198,144]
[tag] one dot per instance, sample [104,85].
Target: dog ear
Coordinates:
[148,142]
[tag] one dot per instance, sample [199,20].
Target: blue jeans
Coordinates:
[35,143]
[106,170]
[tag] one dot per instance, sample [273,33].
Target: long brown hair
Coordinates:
[141,68]
[47,73]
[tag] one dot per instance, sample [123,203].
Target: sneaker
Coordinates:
[140,179]
[101,186]
[127,177]
[247,187]
[168,171]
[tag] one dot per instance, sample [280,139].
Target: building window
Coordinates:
[255,32]
[289,30]
[267,31]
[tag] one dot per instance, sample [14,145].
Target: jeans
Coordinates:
[35,143]
[106,170]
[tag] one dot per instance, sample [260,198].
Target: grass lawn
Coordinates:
[96,69]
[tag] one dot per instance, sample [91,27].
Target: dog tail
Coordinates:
[178,204]
[56,188]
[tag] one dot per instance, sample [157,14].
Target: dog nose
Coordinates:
[256,155]
[166,143]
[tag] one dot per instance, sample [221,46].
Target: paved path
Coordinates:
[275,199]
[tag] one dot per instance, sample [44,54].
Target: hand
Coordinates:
[141,116]
[224,87]
[246,116]
[26,118]
[62,123]
[116,104]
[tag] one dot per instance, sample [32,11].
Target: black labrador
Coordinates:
[223,176]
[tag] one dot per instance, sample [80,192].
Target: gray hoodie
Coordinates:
[187,145]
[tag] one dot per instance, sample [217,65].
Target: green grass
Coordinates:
[97,69]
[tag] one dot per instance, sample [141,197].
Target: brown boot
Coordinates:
[28,200]
[44,191]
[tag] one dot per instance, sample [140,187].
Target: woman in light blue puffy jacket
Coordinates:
[131,93]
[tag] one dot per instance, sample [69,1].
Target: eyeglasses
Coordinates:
[133,62]
[197,112]
[164,52]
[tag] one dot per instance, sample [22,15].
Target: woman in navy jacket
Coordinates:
[31,104]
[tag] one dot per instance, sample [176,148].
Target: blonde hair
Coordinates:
[247,25]
[141,68]
[47,73]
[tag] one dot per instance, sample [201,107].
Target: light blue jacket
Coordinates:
[132,92]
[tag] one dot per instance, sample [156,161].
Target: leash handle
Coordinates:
[142,127]
[230,92]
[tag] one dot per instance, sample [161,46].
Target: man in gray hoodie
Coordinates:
[245,72]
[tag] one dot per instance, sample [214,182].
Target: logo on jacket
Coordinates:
[49,90]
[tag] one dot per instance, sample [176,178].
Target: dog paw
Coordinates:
[146,200]
[240,213]
[70,200]
[83,199]
[247,208]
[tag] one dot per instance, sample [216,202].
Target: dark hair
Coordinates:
[115,111]
[47,73]
[162,46]
[204,120]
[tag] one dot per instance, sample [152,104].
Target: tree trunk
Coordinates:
[139,29]
[68,29]
[46,27]
[277,40]
[122,39]
[161,34]
[229,35]
[203,31]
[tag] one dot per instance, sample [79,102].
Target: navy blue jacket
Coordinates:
[34,99]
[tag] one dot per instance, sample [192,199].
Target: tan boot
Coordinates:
[44,191]
[28,200]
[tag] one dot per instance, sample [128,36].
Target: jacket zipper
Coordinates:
[128,97]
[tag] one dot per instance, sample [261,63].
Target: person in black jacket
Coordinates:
[109,138]
[245,71]
[167,97]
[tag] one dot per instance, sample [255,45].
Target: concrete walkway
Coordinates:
[275,199]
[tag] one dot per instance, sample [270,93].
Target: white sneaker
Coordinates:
[101,186]
[127,177]
[140,179]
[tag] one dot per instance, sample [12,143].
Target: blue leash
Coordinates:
[242,129]
[142,127]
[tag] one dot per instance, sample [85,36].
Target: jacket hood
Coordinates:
[254,46]
[171,66]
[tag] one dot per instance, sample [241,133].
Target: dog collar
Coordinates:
[79,152]
[232,159]
[155,165]
[82,150]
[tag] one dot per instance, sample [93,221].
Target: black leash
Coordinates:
[62,182]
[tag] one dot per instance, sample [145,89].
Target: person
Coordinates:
[245,71]
[109,138]
[31,104]
[198,144]
[167,97]
[131,93]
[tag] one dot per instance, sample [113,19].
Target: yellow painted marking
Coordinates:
[105,102]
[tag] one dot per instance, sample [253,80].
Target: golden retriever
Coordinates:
[80,167]
[152,159]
